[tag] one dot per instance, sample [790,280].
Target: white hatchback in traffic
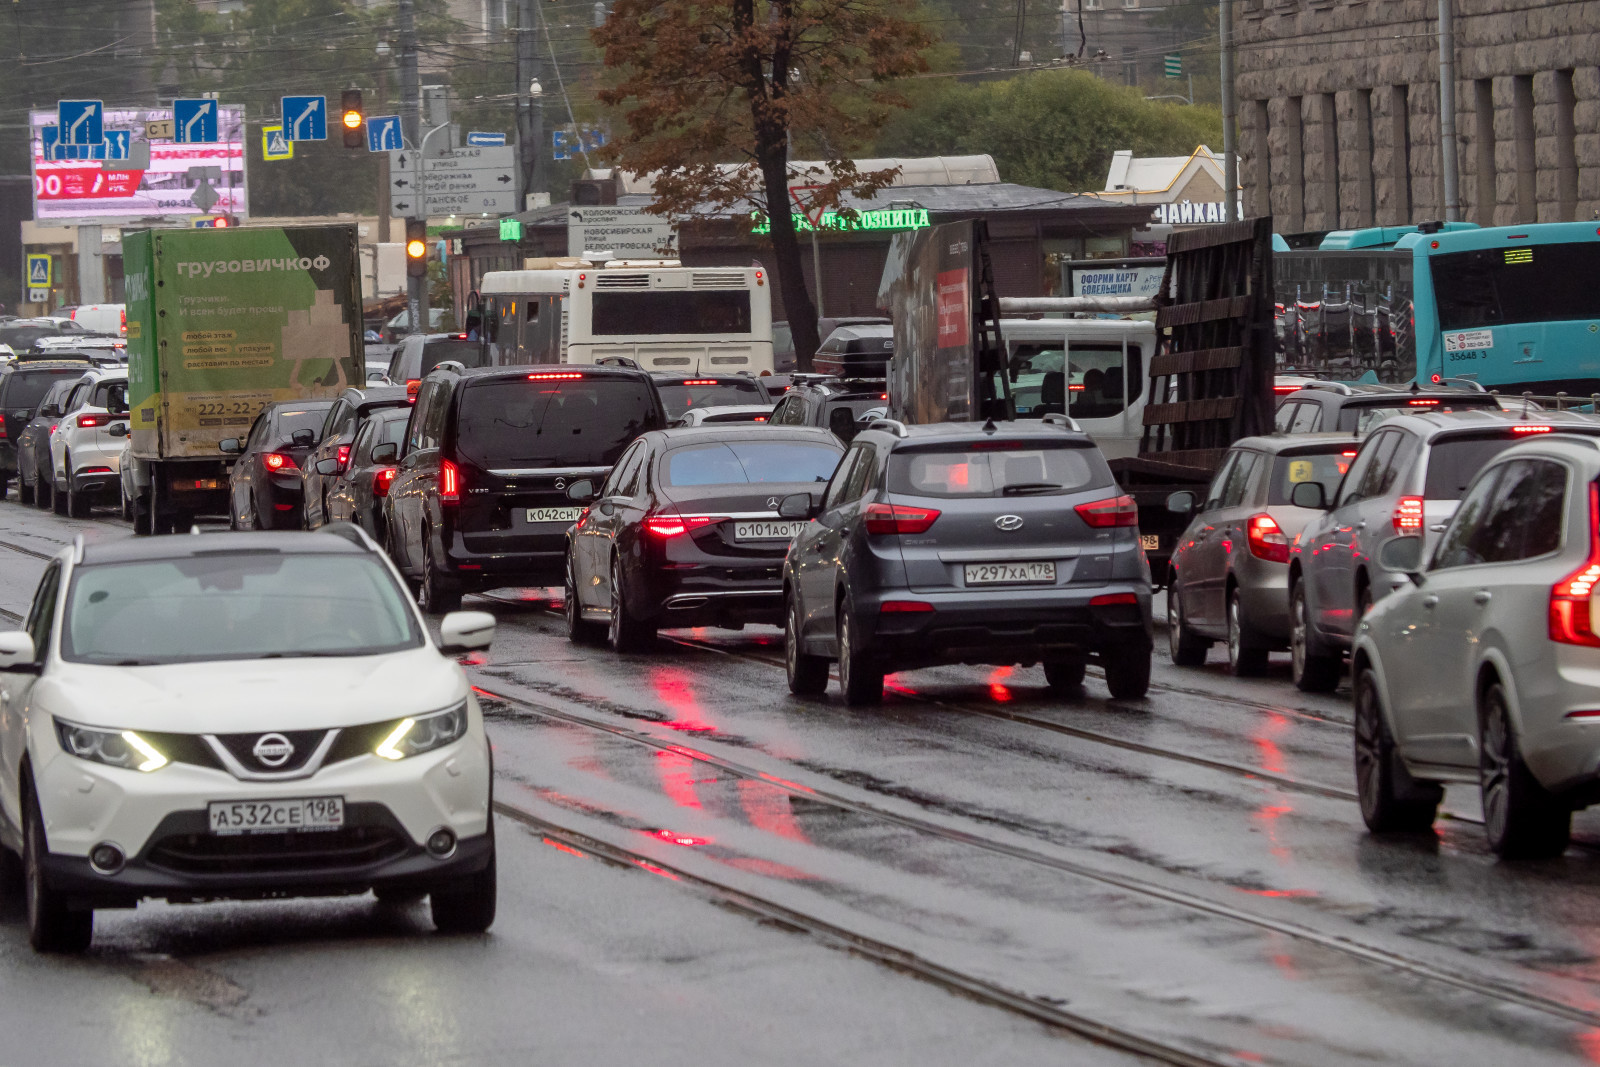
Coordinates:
[239,716]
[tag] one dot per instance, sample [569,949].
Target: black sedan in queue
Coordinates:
[681,393]
[356,493]
[264,487]
[685,531]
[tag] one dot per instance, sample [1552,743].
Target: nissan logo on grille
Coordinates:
[1008,522]
[273,750]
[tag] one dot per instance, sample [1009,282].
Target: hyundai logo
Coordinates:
[1008,522]
[273,750]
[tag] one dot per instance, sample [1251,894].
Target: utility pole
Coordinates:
[411,125]
[382,106]
[530,109]
[1447,112]
[1230,124]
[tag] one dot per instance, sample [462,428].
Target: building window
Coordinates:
[1523,135]
[1483,167]
[1566,147]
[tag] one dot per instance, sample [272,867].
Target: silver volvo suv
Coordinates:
[1484,665]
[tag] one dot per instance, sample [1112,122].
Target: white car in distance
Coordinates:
[86,449]
[239,716]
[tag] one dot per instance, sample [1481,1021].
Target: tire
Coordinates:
[1065,675]
[860,675]
[43,490]
[52,926]
[60,502]
[579,632]
[626,631]
[468,906]
[1391,802]
[77,502]
[141,516]
[1314,671]
[808,674]
[1521,818]
[1187,648]
[24,490]
[438,594]
[1127,672]
[1245,660]
[127,505]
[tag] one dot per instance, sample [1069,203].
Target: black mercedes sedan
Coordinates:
[685,531]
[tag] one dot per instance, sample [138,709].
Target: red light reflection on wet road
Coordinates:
[677,778]
[998,690]
[674,687]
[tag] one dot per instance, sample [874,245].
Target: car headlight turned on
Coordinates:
[417,734]
[115,748]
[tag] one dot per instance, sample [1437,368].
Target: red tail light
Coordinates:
[903,607]
[899,519]
[382,479]
[1112,511]
[412,385]
[1423,403]
[344,456]
[1408,515]
[668,525]
[1284,389]
[89,422]
[277,461]
[449,482]
[1531,429]
[561,376]
[1267,540]
[4,435]
[1107,599]
[701,381]
[1570,621]
[124,320]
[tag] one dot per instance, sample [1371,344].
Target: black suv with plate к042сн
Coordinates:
[1001,543]
[483,497]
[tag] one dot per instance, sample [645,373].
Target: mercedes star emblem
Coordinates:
[561,483]
[772,502]
[1009,522]
[273,750]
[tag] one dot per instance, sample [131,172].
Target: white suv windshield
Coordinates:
[234,605]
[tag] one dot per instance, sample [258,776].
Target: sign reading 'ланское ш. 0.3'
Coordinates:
[69,190]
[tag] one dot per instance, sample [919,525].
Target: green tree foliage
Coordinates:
[1053,129]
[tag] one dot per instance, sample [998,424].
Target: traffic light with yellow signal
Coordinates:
[416,248]
[352,119]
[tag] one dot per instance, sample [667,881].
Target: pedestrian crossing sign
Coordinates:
[39,272]
[274,145]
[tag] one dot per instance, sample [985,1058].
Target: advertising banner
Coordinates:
[932,377]
[73,190]
[224,322]
[1116,281]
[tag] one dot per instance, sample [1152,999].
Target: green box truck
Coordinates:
[222,323]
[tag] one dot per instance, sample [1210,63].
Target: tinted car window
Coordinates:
[27,388]
[466,353]
[740,462]
[959,473]
[842,475]
[1370,466]
[584,423]
[1307,419]
[1239,479]
[1455,547]
[20,337]
[1523,518]
[113,396]
[1325,468]
[292,420]
[1399,461]
[681,397]
[1455,461]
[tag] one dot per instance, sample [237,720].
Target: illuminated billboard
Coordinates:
[85,191]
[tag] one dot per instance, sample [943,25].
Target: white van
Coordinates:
[102,318]
[1094,370]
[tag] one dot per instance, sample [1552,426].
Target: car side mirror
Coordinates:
[465,631]
[387,452]
[1309,495]
[327,466]
[118,429]
[581,491]
[232,446]
[17,652]
[50,411]
[798,506]
[1181,502]
[303,437]
[1403,554]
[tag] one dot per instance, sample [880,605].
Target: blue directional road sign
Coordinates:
[81,121]
[114,146]
[305,118]
[194,121]
[54,150]
[486,140]
[383,134]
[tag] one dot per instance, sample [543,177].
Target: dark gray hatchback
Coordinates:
[1005,543]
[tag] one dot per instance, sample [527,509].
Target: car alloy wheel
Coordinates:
[1184,646]
[808,674]
[1391,802]
[626,631]
[578,630]
[860,678]
[1521,819]
[1313,672]
[1243,660]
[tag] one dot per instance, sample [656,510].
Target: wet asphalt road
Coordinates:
[696,865]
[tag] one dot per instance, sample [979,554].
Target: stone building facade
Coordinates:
[1339,111]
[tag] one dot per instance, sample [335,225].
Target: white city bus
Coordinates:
[664,317]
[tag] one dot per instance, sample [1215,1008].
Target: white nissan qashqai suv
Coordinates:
[239,715]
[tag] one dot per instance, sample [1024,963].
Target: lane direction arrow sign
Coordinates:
[195,121]
[305,118]
[82,121]
[383,133]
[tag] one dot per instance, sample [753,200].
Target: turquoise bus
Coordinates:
[1514,308]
